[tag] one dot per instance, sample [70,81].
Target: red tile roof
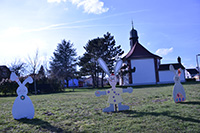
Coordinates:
[138,51]
[166,66]
[192,71]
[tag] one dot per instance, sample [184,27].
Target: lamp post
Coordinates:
[198,65]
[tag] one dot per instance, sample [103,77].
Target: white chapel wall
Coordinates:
[168,76]
[145,71]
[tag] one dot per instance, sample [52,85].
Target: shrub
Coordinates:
[7,86]
[46,85]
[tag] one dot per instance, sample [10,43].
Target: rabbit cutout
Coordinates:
[23,106]
[178,91]
[114,93]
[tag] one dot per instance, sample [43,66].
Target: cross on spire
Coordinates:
[132,24]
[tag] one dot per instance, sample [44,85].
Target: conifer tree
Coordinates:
[63,64]
[105,48]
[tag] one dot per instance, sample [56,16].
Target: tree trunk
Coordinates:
[93,81]
[97,80]
[102,79]
[73,84]
[35,85]
[67,83]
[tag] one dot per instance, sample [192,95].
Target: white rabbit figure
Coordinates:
[114,93]
[178,91]
[22,107]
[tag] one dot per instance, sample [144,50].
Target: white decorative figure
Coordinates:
[114,93]
[22,107]
[178,91]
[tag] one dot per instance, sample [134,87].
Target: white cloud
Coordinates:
[52,1]
[164,51]
[92,6]
[148,43]
[66,9]
[75,1]
[89,6]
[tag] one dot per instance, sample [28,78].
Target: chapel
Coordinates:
[149,69]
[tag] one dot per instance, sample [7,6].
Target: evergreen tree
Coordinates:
[105,48]
[111,52]
[88,63]
[41,73]
[63,64]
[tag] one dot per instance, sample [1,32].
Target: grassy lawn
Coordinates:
[151,110]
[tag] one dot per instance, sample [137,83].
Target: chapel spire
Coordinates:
[132,24]
[133,36]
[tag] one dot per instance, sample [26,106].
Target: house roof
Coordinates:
[166,66]
[192,71]
[4,67]
[4,72]
[138,51]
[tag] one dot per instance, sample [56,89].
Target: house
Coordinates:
[89,82]
[83,82]
[166,76]
[149,70]
[4,72]
[192,74]
[80,82]
[73,83]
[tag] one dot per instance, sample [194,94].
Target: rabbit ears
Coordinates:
[105,68]
[171,68]
[117,67]
[13,77]
[28,80]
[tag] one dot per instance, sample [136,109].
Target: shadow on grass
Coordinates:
[192,103]
[166,113]
[42,124]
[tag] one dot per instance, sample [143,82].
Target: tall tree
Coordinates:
[105,48]
[41,73]
[63,64]
[111,53]
[88,62]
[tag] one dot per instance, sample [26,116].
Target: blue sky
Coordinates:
[166,28]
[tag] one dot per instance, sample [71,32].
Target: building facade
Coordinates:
[148,67]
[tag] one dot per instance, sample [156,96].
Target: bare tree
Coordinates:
[34,64]
[18,67]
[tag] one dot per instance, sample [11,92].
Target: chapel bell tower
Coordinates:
[133,36]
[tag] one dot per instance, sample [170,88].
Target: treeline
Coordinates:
[43,86]
[63,66]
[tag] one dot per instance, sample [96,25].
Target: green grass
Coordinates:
[151,110]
